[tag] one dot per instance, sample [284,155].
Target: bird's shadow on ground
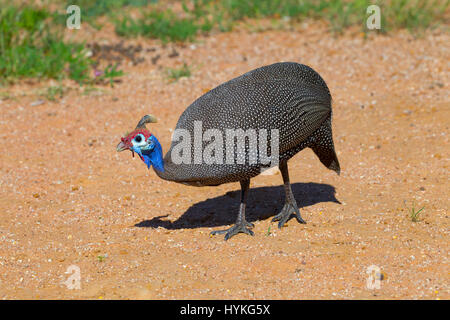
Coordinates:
[262,203]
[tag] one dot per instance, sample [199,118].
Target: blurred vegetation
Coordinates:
[97,8]
[32,47]
[164,25]
[91,9]
[32,43]
[415,15]
[205,15]
[176,73]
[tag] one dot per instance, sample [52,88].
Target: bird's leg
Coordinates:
[291,205]
[241,224]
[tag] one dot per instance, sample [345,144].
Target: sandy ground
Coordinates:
[68,198]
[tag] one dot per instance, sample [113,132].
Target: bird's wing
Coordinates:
[295,108]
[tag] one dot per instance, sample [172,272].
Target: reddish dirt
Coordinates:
[68,198]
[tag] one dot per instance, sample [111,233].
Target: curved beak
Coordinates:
[121,146]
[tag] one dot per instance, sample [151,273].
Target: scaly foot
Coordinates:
[286,213]
[237,228]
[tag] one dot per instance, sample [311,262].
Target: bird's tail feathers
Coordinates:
[328,157]
[323,147]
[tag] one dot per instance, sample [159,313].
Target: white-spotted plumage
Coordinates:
[287,96]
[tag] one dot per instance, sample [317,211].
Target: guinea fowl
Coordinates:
[290,100]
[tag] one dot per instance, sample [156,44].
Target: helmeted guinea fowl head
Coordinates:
[141,141]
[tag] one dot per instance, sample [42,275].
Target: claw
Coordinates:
[234,230]
[249,224]
[286,213]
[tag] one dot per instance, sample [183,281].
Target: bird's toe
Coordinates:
[234,230]
[286,214]
[249,224]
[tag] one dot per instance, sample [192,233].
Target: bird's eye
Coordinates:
[138,138]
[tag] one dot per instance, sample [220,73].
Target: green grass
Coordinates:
[109,75]
[268,233]
[176,73]
[164,25]
[54,92]
[102,258]
[32,46]
[90,9]
[168,25]
[206,15]
[414,15]
[97,8]
[410,14]
[414,214]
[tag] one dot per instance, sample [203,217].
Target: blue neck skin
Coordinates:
[152,156]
